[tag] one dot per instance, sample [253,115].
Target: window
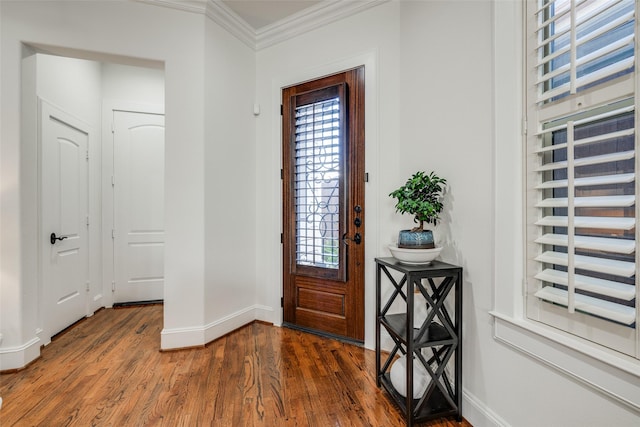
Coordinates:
[317,183]
[581,170]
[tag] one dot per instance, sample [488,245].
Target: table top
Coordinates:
[413,268]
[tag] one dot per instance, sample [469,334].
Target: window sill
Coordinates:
[613,375]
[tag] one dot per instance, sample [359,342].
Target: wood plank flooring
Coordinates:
[107,371]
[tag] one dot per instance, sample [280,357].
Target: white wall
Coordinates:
[73,85]
[131,84]
[230,175]
[434,111]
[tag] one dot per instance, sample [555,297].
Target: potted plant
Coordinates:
[421,197]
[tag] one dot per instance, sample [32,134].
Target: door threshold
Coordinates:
[138,303]
[324,334]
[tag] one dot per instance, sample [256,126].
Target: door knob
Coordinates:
[53,238]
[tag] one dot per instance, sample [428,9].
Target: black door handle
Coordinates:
[53,238]
[357,238]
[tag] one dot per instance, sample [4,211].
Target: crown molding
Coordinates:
[218,12]
[222,14]
[316,16]
[194,6]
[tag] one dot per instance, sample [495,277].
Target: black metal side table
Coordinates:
[433,344]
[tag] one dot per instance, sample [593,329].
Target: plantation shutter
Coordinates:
[582,43]
[581,166]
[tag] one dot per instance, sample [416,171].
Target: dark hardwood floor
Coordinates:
[107,371]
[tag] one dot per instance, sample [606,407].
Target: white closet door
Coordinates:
[64,210]
[138,206]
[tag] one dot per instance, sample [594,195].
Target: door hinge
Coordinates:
[525,124]
[366,177]
[113,233]
[87,155]
[281,301]
[113,286]
[88,287]
[113,181]
[87,220]
[281,237]
[281,173]
[281,109]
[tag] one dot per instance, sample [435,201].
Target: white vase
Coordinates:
[398,377]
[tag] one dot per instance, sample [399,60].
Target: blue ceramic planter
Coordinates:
[416,239]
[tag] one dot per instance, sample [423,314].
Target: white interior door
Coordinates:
[64,211]
[138,206]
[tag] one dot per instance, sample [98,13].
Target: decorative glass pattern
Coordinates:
[317,183]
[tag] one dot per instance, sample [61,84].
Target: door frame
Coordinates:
[369,59]
[44,312]
[108,219]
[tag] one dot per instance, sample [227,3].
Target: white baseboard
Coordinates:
[20,356]
[478,414]
[265,313]
[229,323]
[172,339]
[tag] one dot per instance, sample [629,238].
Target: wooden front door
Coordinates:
[323,197]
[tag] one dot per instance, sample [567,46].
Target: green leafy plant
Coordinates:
[421,196]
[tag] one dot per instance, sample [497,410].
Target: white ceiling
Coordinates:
[260,13]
